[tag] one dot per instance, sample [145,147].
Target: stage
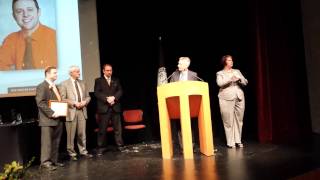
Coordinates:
[144,161]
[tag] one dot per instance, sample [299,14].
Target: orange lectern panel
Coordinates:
[183,100]
[173,105]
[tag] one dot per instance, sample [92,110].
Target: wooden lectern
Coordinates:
[185,99]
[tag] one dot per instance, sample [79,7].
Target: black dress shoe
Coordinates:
[58,164]
[48,167]
[73,158]
[239,145]
[87,155]
[121,148]
[99,152]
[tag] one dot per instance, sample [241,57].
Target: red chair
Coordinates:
[109,127]
[132,122]
[133,119]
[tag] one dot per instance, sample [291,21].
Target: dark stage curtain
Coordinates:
[267,33]
[281,82]
[262,83]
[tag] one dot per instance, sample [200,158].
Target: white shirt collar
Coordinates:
[73,80]
[184,72]
[50,82]
[183,75]
[107,77]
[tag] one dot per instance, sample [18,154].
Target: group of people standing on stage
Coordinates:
[34,47]
[108,91]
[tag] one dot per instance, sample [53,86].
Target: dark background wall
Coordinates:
[311,27]
[129,40]
[265,37]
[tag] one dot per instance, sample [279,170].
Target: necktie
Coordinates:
[182,76]
[56,92]
[109,81]
[27,59]
[77,89]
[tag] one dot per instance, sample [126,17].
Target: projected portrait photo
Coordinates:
[27,34]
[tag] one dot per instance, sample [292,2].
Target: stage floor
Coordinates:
[144,161]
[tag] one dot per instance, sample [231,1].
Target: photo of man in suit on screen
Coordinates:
[34,45]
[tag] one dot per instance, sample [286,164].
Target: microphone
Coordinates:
[171,75]
[197,77]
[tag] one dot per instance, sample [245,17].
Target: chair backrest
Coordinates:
[133,116]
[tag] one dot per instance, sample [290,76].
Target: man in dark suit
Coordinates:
[183,74]
[49,121]
[108,91]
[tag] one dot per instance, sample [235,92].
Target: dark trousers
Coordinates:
[177,135]
[50,141]
[115,117]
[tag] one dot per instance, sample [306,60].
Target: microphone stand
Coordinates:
[197,77]
[171,75]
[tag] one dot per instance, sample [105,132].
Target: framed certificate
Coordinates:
[59,107]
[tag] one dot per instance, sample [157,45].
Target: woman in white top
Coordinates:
[231,101]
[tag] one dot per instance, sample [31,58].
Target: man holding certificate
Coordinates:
[76,94]
[49,120]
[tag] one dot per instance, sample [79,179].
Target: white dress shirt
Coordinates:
[183,76]
[108,79]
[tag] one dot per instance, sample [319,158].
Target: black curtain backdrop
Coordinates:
[264,36]
[129,34]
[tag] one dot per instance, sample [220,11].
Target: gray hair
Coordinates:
[185,60]
[72,68]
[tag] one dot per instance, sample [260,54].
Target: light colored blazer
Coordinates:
[68,93]
[230,90]
[192,76]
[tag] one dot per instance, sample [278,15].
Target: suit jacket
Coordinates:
[102,90]
[230,90]
[43,95]
[69,94]
[192,76]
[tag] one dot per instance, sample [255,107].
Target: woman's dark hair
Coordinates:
[224,59]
